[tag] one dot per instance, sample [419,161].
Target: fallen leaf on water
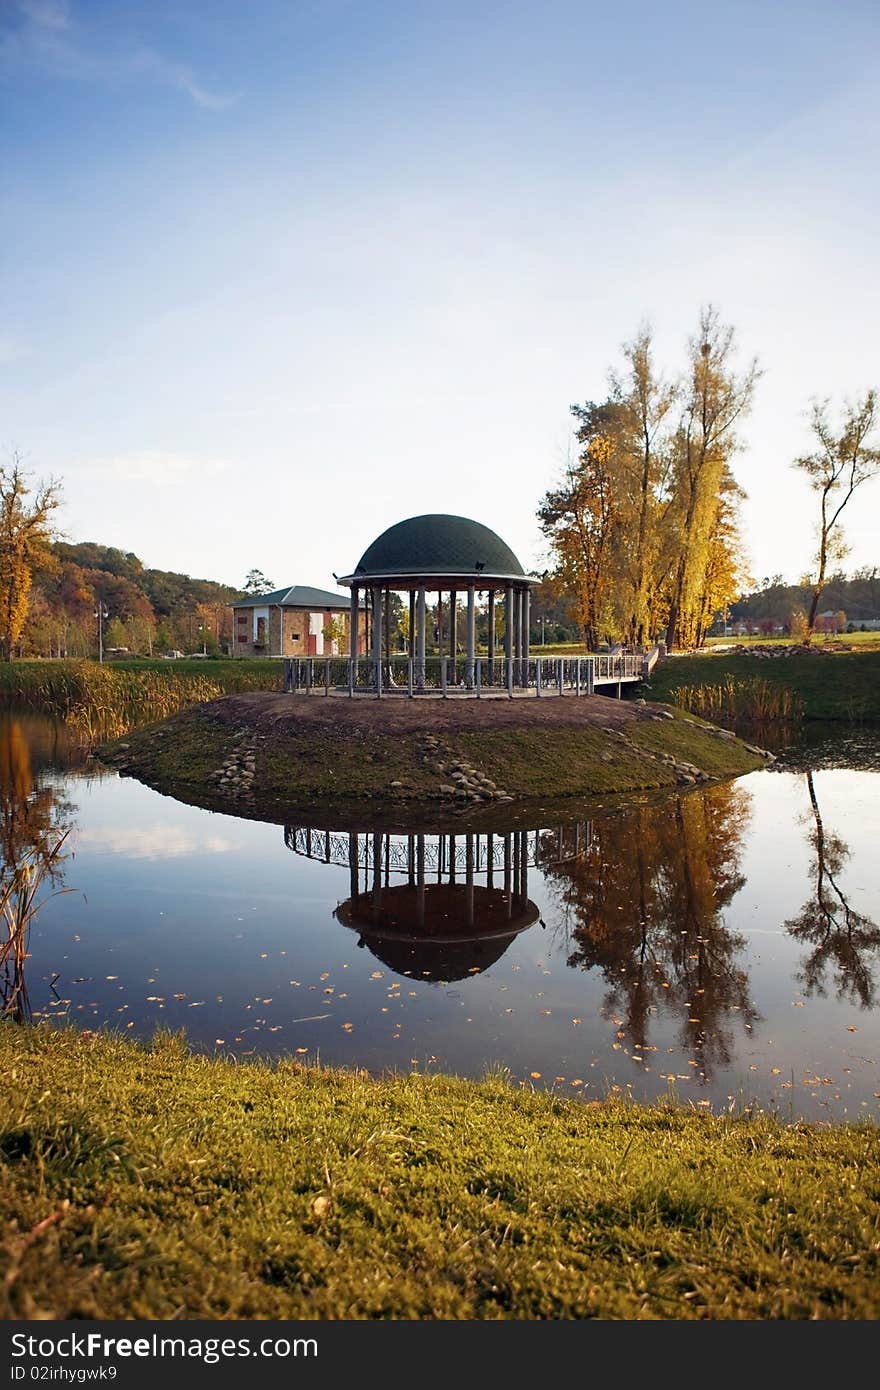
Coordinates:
[535,1075]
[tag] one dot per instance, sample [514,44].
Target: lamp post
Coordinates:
[543,621]
[101,612]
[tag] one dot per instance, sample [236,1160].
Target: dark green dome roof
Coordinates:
[439,545]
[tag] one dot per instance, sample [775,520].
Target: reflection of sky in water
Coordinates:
[156,841]
[196,920]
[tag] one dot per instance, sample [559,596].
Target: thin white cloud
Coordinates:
[181,78]
[44,41]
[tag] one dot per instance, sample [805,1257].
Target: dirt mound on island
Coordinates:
[367,714]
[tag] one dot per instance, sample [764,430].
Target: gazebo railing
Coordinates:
[447,854]
[455,676]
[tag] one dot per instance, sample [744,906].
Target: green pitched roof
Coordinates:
[296,596]
[438,544]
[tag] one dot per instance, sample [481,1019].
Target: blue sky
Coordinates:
[274,276]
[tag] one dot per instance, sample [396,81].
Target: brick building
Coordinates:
[298,621]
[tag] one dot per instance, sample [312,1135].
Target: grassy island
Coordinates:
[145,1182]
[286,754]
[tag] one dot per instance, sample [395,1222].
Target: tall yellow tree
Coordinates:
[26,532]
[580,519]
[647,401]
[717,398]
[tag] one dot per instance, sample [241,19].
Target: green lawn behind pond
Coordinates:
[830,685]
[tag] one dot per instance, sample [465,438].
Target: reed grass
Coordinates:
[19,905]
[103,702]
[753,700]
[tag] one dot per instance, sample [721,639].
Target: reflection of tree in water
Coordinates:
[842,939]
[34,818]
[645,907]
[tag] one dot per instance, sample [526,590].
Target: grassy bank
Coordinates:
[148,1183]
[834,685]
[288,755]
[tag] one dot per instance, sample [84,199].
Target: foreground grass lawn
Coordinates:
[148,1183]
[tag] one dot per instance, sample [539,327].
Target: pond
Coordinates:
[724,943]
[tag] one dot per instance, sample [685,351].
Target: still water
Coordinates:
[725,942]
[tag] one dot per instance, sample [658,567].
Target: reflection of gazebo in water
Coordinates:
[458,900]
[449,556]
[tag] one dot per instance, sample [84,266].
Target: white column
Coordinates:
[377,624]
[508,622]
[471,637]
[420,638]
[353,621]
[526,606]
[491,618]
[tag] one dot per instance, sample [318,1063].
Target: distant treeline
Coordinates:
[856,596]
[147,610]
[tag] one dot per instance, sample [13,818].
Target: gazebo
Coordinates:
[449,556]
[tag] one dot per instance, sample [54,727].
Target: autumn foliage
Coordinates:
[25,536]
[643,526]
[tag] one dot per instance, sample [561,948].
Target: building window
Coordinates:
[242,637]
[242,617]
[294,636]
